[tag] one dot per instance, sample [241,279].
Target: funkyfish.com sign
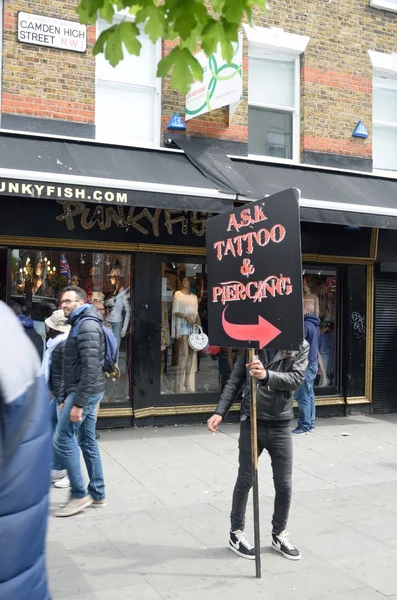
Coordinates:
[222,83]
[53,33]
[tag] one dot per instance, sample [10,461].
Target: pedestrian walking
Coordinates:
[53,370]
[28,325]
[279,374]
[25,451]
[305,394]
[84,388]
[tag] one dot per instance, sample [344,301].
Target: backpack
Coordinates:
[109,364]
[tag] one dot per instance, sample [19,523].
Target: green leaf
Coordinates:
[109,42]
[87,10]
[234,11]
[192,42]
[154,16]
[185,69]
[227,50]
[129,33]
[218,5]
[210,37]
[107,12]
[102,40]
[185,20]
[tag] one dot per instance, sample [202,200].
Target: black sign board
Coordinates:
[255,275]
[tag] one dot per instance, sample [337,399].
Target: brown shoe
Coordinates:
[74,506]
[100,503]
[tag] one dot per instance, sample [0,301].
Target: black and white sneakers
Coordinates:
[282,544]
[240,545]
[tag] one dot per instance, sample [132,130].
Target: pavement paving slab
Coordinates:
[164,533]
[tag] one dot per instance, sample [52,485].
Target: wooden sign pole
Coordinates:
[254,453]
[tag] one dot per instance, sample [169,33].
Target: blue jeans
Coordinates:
[54,411]
[306,401]
[116,329]
[67,439]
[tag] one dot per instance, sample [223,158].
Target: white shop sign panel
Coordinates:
[53,33]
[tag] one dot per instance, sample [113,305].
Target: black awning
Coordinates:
[329,196]
[43,167]
[216,166]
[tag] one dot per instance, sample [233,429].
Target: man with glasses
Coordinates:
[85,384]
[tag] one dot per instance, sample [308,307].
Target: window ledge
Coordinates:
[273,39]
[384,5]
[385,64]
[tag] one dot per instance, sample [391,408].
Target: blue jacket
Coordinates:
[25,455]
[312,335]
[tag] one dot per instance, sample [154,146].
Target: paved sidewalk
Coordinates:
[164,533]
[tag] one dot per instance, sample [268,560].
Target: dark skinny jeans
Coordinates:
[278,442]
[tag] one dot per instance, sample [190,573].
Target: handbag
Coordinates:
[198,340]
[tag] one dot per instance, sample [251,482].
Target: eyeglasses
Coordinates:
[68,301]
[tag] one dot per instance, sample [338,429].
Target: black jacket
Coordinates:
[57,374]
[37,341]
[286,373]
[84,355]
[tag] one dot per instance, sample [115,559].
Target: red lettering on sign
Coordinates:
[247,218]
[272,286]
[233,223]
[229,247]
[236,245]
[218,248]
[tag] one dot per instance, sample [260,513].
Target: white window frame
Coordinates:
[275,43]
[384,5]
[386,65]
[119,16]
[295,110]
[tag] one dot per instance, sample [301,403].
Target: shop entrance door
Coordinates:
[169,376]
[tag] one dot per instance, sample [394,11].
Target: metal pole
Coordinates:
[254,452]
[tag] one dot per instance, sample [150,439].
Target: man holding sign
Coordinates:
[279,375]
[255,302]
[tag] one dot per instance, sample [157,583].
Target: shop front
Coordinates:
[144,266]
[140,286]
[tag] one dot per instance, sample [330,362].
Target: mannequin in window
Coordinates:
[117,304]
[39,281]
[184,317]
[308,295]
[89,283]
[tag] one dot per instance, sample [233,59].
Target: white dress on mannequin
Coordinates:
[187,306]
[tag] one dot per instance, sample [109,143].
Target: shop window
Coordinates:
[127,103]
[272,108]
[184,304]
[385,122]
[37,278]
[320,291]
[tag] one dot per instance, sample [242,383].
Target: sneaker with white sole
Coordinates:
[100,503]
[74,506]
[299,431]
[239,544]
[281,543]
[62,483]
[57,475]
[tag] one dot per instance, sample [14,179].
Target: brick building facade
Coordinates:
[49,90]
[84,153]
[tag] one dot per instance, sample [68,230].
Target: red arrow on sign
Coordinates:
[264,332]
